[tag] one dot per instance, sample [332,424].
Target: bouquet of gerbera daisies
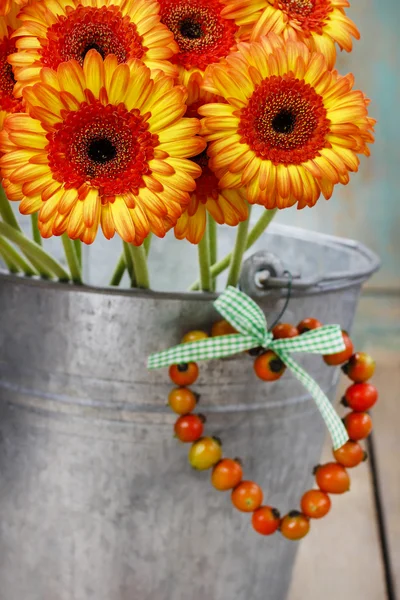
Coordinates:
[137,117]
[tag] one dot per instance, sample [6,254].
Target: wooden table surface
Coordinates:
[342,557]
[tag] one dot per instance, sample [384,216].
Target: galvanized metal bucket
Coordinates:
[97,499]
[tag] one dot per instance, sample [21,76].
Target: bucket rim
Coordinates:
[331,282]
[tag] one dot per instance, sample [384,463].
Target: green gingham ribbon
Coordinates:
[249,320]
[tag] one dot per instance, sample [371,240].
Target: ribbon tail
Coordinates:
[334,424]
[208,349]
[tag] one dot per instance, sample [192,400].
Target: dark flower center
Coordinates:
[201,159]
[93,46]
[101,150]
[284,121]
[190,29]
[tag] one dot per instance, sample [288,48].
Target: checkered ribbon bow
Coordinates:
[249,320]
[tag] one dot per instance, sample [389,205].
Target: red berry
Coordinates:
[184,374]
[358,425]
[266,520]
[340,357]
[315,504]
[284,330]
[332,478]
[360,367]
[268,366]
[350,454]
[360,396]
[308,324]
[295,525]
[189,428]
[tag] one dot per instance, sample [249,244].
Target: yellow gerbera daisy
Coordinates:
[103,144]
[57,31]
[8,102]
[317,23]
[290,128]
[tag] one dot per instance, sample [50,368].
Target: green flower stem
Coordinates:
[147,243]
[129,263]
[204,264]
[6,211]
[139,259]
[10,264]
[238,251]
[253,236]
[46,265]
[118,271]
[78,251]
[72,259]
[11,256]
[212,245]
[35,229]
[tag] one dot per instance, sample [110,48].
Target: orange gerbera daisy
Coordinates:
[8,102]
[290,128]
[225,206]
[103,144]
[203,35]
[317,23]
[54,32]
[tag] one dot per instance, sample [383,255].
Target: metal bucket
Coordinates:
[97,499]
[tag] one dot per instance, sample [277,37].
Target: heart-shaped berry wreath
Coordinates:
[244,328]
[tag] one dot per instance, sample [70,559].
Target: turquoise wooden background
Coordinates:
[368,209]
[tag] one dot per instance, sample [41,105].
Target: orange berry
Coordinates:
[268,366]
[247,496]
[308,324]
[222,328]
[315,504]
[350,454]
[340,357]
[284,330]
[358,425]
[332,478]
[182,400]
[295,525]
[184,374]
[226,474]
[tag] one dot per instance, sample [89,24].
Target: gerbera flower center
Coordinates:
[7,100]
[85,28]
[101,150]
[202,34]
[310,15]
[300,7]
[106,146]
[191,29]
[285,121]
